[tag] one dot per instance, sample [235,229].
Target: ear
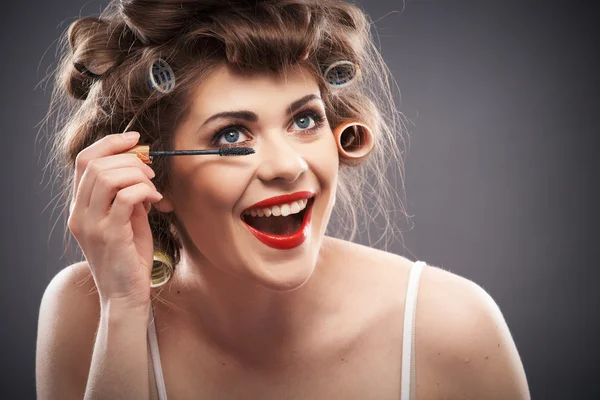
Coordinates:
[165,205]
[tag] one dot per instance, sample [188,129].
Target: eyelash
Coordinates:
[317,116]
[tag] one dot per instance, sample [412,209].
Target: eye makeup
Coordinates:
[315,114]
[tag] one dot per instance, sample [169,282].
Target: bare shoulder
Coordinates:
[462,334]
[464,348]
[67,323]
[363,259]
[377,280]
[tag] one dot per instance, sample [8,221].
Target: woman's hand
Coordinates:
[109,219]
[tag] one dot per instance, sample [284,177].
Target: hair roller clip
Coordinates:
[341,73]
[355,140]
[162,269]
[161,76]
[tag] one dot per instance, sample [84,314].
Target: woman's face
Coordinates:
[283,120]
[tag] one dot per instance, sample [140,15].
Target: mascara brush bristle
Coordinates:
[235,151]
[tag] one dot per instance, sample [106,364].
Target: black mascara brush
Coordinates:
[144,153]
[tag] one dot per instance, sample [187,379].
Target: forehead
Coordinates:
[230,89]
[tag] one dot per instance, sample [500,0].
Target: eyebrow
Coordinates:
[253,117]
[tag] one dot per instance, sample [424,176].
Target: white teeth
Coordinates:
[295,207]
[283,209]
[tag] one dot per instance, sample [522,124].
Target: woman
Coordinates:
[212,277]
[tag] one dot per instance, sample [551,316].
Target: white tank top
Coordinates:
[157,381]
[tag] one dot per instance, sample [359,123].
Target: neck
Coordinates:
[242,318]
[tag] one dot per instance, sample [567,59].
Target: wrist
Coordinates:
[124,306]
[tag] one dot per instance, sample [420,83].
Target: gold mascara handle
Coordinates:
[142,152]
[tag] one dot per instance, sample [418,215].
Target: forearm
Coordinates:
[119,368]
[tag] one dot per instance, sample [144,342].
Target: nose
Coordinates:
[280,160]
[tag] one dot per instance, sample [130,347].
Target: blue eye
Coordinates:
[231,136]
[303,121]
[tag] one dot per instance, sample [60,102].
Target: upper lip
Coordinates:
[281,199]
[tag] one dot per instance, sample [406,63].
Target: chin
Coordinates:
[284,276]
[276,270]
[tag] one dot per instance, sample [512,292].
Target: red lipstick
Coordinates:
[284,242]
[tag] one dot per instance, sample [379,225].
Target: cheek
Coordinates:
[210,186]
[323,160]
[204,196]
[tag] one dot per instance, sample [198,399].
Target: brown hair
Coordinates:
[101,85]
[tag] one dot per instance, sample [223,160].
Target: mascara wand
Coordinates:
[144,153]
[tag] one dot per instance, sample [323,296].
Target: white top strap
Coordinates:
[158,372]
[408,348]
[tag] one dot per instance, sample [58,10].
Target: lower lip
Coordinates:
[286,242]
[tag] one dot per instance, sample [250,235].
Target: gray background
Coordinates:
[499,176]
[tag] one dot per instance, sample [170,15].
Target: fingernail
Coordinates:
[131,135]
[148,207]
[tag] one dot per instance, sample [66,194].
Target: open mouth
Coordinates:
[278,225]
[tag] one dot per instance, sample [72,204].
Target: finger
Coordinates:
[108,145]
[109,182]
[100,165]
[126,199]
